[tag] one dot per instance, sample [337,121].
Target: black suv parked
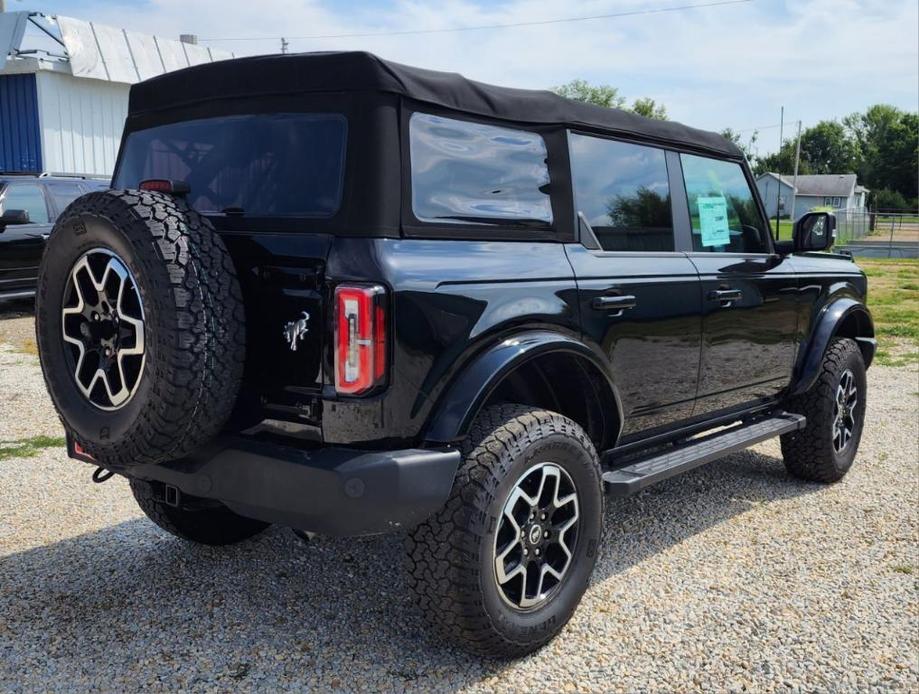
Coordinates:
[29,205]
[349,297]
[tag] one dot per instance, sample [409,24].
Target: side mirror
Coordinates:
[815,231]
[13,217]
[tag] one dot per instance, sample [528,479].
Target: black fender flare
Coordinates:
[470,390]
[827,326]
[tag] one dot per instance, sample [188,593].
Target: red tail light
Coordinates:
[360,340]
[165,185]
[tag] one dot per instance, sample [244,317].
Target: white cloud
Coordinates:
[722,66]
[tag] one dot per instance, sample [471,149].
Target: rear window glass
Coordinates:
[472,173]
[280,165]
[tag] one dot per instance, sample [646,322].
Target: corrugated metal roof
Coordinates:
[93,50]
[20,139]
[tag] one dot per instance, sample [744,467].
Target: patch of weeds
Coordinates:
[907,569]
[29,346]
[884,358]
[28,448]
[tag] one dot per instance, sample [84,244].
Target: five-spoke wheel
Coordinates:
[103,328]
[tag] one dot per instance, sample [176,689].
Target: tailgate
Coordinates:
[282,278]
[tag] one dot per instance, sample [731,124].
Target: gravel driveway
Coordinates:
[731,577]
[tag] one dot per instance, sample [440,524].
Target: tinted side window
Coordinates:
[722,209]
[26,196]
[623,192]
[473,173]
[63,193]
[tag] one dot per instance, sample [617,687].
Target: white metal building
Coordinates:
[64,89]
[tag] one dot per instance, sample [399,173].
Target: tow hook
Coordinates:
[100,475]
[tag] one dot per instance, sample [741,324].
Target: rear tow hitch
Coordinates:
[100,475]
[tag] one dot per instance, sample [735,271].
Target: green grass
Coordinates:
[893,297]
[28,448]
[904,569]
[785,227]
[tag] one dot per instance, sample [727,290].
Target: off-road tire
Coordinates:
[195,520]
[450,557]
[809,454]
[195,326]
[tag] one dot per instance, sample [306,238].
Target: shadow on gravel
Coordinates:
[18,308]
[130,605]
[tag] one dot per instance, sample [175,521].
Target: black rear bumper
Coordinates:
[332,491]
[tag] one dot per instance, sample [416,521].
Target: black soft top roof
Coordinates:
[274,75]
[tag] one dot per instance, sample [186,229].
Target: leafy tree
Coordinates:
[829,149]
[643,209]
[600,94]
[609,97]
[888,139]
[889,200]
[746,147]
[782,161]
[647,107]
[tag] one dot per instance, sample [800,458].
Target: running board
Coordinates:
[632,478]
[26,294]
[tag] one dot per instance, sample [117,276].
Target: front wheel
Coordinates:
[835,409]
[502,567]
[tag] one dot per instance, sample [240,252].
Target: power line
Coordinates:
[512,25]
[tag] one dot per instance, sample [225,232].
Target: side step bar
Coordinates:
[632,478]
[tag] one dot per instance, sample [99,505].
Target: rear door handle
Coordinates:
[725,296]
[615,302]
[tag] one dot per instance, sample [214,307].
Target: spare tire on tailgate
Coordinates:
[140,327]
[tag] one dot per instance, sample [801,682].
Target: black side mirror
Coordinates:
[13,217]
[815,231]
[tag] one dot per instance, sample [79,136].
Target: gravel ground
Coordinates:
[732,577]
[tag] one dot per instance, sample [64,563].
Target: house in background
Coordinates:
[837,191]
[64,89]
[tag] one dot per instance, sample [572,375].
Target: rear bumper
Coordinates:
[331,491]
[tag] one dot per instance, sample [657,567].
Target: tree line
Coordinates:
[880,145]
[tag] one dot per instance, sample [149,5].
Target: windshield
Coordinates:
[277,165]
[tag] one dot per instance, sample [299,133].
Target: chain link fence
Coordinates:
[878,234]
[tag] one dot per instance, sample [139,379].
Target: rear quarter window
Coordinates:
[474,173]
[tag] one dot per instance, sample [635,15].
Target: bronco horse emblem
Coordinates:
[295,330]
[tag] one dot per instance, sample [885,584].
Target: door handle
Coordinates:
[616,302]
[725,297]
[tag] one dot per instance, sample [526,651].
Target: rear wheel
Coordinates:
[194,519]
[835,409]
[502,567]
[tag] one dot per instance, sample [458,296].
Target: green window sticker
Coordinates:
[713,219]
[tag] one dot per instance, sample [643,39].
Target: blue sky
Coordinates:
[715,67]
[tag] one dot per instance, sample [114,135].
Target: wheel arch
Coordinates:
[845,317]
[539,368]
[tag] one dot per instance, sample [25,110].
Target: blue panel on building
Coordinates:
[20,137]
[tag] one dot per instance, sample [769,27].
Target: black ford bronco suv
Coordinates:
[348,296]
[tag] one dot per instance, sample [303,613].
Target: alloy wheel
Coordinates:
[536,536]
[103,329]
[844,411]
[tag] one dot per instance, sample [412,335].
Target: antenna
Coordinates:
[283,45]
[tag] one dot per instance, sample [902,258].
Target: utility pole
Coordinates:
[778,193]
[283,46]
[794,183]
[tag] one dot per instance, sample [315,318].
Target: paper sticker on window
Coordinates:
[713,220]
